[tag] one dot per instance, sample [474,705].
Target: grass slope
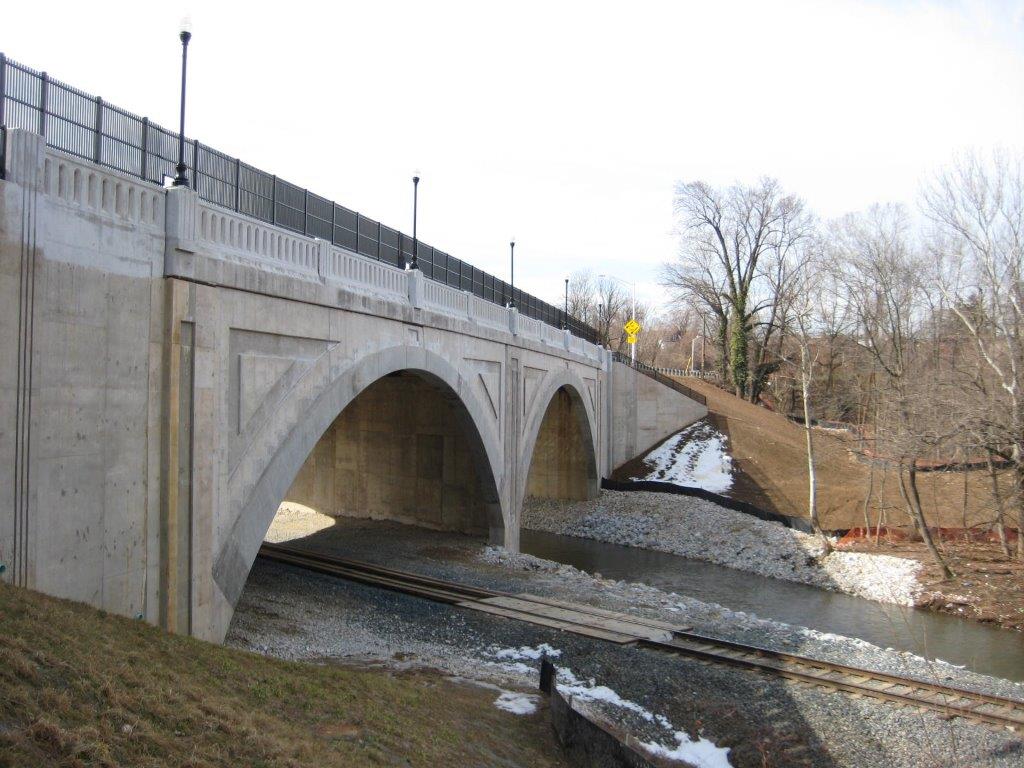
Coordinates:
[83,688]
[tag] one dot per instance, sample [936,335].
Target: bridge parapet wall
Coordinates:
[197,226]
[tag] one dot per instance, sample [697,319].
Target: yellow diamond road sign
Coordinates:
[632,328]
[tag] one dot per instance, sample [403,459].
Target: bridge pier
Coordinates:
[171,366]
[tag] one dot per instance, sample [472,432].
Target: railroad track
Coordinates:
[623,629]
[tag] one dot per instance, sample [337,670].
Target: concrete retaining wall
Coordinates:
[644,412]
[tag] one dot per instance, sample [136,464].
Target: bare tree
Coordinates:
[977,207]
[583,296]
[612,306]
[874,258]
[695,281]
[805,306]
[725,233]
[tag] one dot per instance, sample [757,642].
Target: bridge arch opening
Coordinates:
[405,449]
[563,464]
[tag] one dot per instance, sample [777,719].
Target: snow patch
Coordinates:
[701,753]
[517,703]
[525,652]
[697,457]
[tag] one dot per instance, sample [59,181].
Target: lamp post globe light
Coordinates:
[415,201]
[181,171]
[512,272]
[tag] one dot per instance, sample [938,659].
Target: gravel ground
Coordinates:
[691,527]
[293,614]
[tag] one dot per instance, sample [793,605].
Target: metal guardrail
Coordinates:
[86,126]
[688,372]
[654,373]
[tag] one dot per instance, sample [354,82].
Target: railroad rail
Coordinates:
[623,629]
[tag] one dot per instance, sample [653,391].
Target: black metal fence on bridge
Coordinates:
[88,127]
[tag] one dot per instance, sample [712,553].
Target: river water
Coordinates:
[981,648]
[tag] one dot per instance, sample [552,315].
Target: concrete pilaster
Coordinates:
[181,219]
[18,264]
[416,288]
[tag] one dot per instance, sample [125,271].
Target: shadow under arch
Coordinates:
[562,399]
[257,511]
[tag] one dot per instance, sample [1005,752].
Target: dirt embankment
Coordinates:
[769,452]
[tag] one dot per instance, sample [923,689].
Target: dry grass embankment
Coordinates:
[83,688]
[770,453]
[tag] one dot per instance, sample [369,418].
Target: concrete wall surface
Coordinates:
[403,450]
[644,412]
[171,370]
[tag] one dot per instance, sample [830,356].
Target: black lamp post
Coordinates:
[415,201]
[567,303]
[181,177]
[512,272]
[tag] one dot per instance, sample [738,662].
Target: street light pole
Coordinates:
[703,336]
[415,201]
[512,272]
[181,175]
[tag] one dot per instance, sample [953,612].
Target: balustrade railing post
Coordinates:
[145,149]
[273,201]
[238,184]
[44,94]
[195,165]
[334,222]
[97,139]
[305,211]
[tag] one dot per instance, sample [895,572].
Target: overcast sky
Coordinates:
[565,124]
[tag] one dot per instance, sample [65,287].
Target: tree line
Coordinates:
[906,323]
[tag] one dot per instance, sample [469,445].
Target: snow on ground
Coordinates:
[701,753]
[697,457]
[691,527]
[518,654]
[517,703]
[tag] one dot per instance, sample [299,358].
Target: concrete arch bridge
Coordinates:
[172,371]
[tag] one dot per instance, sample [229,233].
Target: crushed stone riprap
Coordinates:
[699,529]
